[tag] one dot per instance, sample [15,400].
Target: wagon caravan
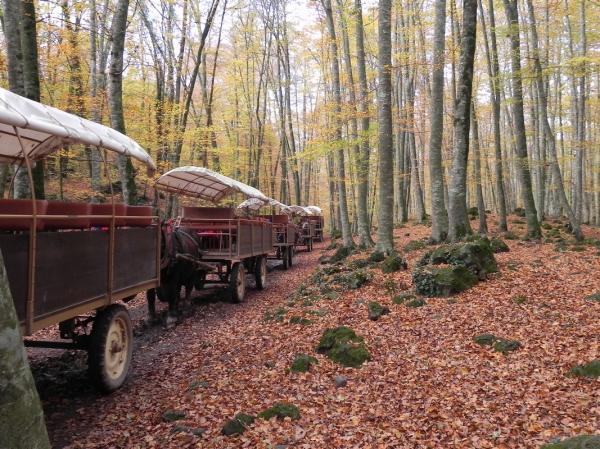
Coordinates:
[225,246]
[73,263]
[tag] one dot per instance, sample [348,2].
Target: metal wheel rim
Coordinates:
[116,349]
[239,283]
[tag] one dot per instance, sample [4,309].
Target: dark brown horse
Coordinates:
[180,266]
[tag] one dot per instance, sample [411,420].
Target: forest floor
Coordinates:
[428,385]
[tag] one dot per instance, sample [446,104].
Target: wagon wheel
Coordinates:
[237,282]
[111,347]
[260,272]
[291,255]
[285,257]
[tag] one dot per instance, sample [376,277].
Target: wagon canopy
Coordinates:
[44,129]
[303,211]
[316,210]
[206,184]
[254,204]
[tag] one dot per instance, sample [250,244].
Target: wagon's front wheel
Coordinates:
[260,272]
[111,347]
[237,282]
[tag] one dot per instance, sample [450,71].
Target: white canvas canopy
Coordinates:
[206,184]
[254,204]
[44,129]
[316,210]
[303,211]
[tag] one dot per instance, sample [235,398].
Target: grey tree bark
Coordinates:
[483,229]
[522,163]
[385,236]
[457,191]
[439,215]
[364,224]
[549,134]
[21,416]
[341,172]
[115,96]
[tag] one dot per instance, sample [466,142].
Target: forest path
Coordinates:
[428,384]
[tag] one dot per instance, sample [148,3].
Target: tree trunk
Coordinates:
[341,172]
[115,96]
[439,215]
[524,174]
[21,416]
[478,184]
[385,236]
[457,212]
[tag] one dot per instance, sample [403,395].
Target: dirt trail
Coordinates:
[78,415]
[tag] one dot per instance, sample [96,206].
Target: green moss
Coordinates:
[393,263]
[509,235]
[579,442]
[414,303]
[485,339]
[593,297]
[173,415]
[505,346]
[318,312]
[376,310]
[352,280]
[477,256]
[238,424]
[520,299]
[498,245]
[403,297]
[591,370]
[336,234]
[302,363]
[442,281]
[340,254]
[546,226]
[300,320]
[343,346]
[519,212]
[415,245]
[281,410]
[376,257]
[359,263]
[275,314]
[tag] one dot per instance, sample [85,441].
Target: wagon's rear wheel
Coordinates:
[285,256]
[111,347]
[260,272]
[237,282]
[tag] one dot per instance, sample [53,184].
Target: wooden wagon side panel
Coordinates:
[135,257]
[15,251]
[71,269]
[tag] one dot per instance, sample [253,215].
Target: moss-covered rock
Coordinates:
[473,212]
[340,254]
[281,410]
[302,363]
[352,280]
[376,310]
[590,370]
[485,339]
[579,442]
[376,257]
[509,235]
[300,320]
[593,297]
[343,346]
[415,303]
[519,212]
[393,263]
[358,264]
[442,281]
[403,297]
[477,256]
[173,415]
[505,346]
[498,245]
[238,424]
[415,245]
[275,314]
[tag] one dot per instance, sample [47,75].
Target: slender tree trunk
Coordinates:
[385,236]
[523,171]
[341,173]
[549,135]
[457,212]
[439,215]
[115,96]
[483,229]
[21,415]
[96,113]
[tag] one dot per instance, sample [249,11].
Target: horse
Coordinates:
[179,267]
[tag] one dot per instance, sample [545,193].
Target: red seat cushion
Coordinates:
[65,208]
[139,211]
[107,209]
[21,207]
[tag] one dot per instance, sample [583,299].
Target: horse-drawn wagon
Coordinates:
[317,219]
[306,227]
[72,263]
[229,246]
